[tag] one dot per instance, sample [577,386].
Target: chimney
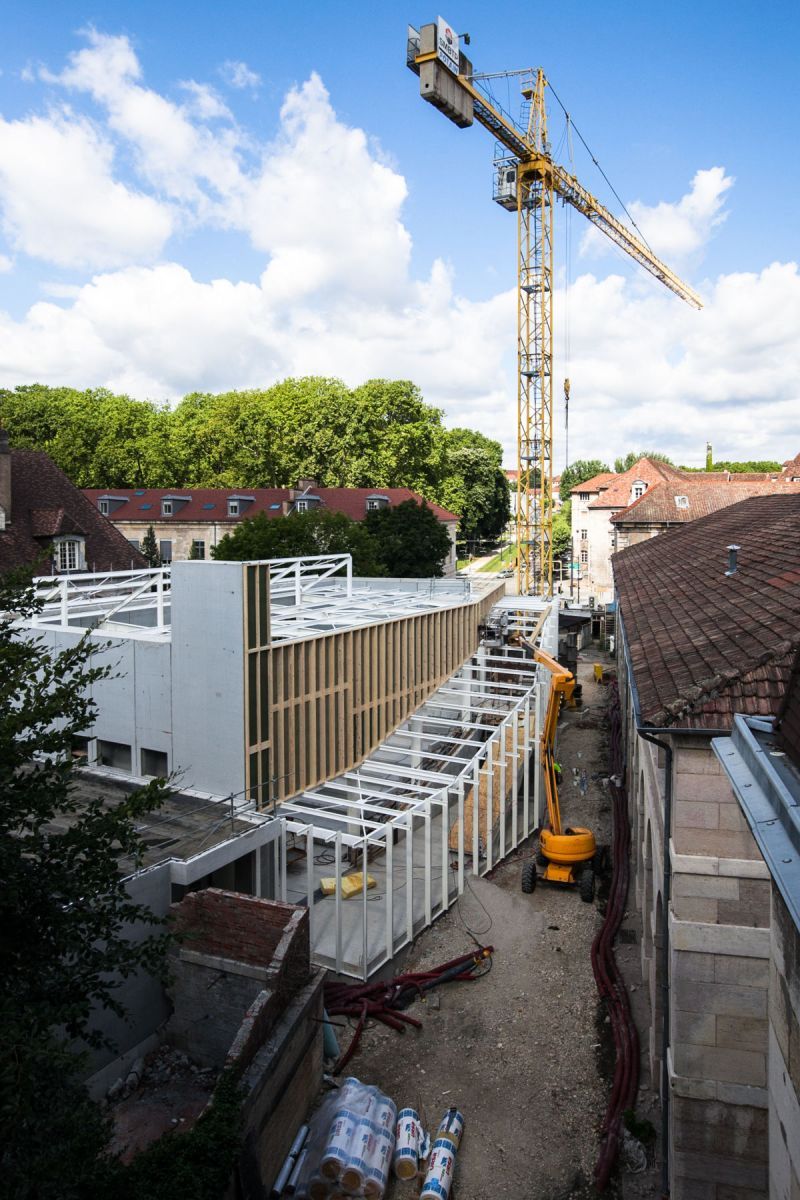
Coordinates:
[306,485]
[709,457]
[732,552]
[5,480]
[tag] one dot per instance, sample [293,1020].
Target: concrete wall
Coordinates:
[142,995]
[134,704]
[208,676]
[784,1054]
[718,964]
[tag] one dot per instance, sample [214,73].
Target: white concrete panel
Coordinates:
[115,696]
[153,691]
[208,676]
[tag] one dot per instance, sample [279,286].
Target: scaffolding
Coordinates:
[450,793]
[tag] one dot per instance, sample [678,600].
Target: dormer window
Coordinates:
[69,553]
[301,505]
[639,488]
[233,508]
[166,508]
[377,501]
[104,507]
[681,501]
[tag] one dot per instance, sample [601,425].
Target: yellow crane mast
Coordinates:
[527,181]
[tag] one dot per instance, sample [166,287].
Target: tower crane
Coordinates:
[527,180]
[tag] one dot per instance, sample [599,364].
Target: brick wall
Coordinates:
[246,929]
[239,961]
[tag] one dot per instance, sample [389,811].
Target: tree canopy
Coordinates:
[380,434]
[300,535]
[578,472]
[65,915]
[403,540]
[757,466]
[412,542]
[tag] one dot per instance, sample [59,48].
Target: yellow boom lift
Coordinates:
[566,854]
[527,181]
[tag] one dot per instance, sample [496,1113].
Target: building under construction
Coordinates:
[381,723]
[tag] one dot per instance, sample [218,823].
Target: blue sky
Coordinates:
[418,263]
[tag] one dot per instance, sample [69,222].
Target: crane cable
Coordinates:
[597,164]
[567,294]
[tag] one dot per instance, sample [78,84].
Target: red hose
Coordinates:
[384,1000]
[610,984]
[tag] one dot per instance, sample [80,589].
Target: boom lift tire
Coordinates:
[586,885]
[529,876]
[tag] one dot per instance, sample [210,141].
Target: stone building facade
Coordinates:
[696,648]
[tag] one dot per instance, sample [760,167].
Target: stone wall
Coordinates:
[719,920]
[784,1054]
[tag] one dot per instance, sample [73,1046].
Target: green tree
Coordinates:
[756,466]
[99,439]
[412,542]
[633,456]
[301,535]
[66,919]
[474,484]
[150,548]
[562,530]
[578,472]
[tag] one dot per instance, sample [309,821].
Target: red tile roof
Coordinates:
[658,504]
[791,468]
[704,645]
[211,504]
[45,504]
[789,716]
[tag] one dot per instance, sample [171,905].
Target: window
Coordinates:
[583,495]
[165,552]
[681,501]
[103,506]
[233,508]
[639,488]
[198,549]
[133,542]
[114,754]
[166,508]
[301,505]
[68,554]
[584,556]
[584,534]
[154,762]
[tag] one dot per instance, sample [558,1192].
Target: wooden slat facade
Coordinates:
[317,706]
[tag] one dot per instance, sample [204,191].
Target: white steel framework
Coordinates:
[450,793]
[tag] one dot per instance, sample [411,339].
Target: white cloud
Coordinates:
[59,201]
[323,207]
[6,264]
[205,103]
[238,75]
[677,232]
[174,153]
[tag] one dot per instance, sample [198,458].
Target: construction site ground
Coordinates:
[525,1052]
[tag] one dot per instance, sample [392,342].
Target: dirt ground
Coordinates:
[525,1051]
